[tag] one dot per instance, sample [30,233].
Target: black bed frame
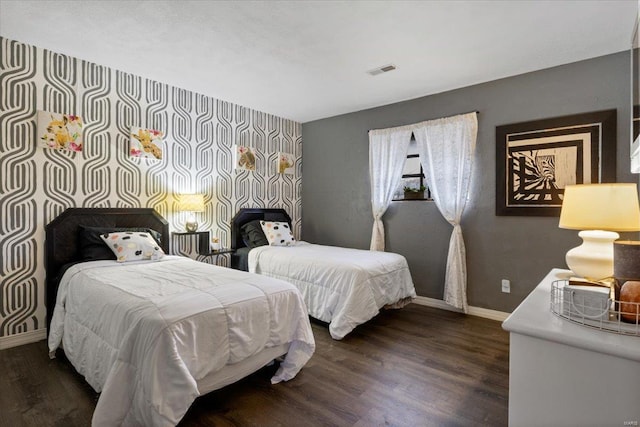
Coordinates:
[61,238]
[246,215]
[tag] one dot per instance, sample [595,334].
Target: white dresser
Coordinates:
[565,374]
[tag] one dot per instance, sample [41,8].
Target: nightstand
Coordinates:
[217,253]
[203,250]
[202,242]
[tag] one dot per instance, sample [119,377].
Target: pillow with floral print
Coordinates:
[133,246]
[277,233]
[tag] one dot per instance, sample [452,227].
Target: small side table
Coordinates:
[216,254]
[203,246]
[202,242]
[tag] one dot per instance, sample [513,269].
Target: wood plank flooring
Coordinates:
[418,366]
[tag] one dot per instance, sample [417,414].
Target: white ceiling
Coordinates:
[306,60]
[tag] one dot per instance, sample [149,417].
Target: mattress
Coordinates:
[151,336]
[341,286]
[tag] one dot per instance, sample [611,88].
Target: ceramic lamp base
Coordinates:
[191,225]
[594,258]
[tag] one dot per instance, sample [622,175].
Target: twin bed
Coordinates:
[343,287]
[152,335]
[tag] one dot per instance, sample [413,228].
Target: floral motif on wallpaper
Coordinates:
[60,131]
[245,158]
[286,162]
[145,143]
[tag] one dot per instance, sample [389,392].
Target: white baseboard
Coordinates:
[500,316]
[21,339]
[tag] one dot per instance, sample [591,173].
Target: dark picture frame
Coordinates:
[535,160]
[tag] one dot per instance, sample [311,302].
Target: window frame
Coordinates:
[427,191]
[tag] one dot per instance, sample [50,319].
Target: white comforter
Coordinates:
[146,333]
[345,287]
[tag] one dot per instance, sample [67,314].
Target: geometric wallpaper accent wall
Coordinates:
[199,134]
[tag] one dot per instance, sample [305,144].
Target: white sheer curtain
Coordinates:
[387,154]
[446,147]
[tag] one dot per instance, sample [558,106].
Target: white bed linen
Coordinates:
[150,335]
[345,287]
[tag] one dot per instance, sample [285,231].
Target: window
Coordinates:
[412,177]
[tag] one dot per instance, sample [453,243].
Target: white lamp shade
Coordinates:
[612,207]
[191,202]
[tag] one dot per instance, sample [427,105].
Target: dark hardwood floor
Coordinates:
[418,366]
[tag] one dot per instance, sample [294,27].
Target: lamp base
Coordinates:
[191,225]
[594,258]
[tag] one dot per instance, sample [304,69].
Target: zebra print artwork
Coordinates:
[199,135]
[536,160]
[535,177]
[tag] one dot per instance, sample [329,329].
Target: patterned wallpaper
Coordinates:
[37,184]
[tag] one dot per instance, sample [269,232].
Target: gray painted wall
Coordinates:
[336,194]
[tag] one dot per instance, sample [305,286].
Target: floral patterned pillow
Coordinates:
[277,233]
[133,246]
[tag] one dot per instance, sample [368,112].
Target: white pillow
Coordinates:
[277,233]
[133,246]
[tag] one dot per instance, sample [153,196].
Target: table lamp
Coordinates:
[599,210]
[191,203]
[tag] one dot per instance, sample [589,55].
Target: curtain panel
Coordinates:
[387,154]
[446,147]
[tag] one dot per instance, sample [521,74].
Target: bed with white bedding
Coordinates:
[341,286]
[151,336]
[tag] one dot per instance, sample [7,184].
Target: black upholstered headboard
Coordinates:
[61,237]
[249,214]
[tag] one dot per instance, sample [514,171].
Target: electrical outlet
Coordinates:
[506,286]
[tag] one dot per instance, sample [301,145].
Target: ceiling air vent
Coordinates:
[383,69]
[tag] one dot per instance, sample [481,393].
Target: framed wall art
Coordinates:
[245,158]
[536,160]
[59,131]
[145,143]
[286,163]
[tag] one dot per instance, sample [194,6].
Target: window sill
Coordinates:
[412,200]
